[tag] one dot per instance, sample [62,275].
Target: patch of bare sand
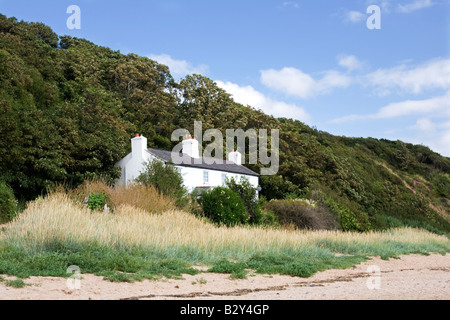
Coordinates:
[412,277]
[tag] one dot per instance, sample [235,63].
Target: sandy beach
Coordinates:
[412,277]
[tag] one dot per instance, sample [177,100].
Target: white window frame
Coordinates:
[205,176]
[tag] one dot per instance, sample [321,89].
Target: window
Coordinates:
[205,176]
[199,190]
[224,178]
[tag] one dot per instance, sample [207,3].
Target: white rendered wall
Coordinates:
[132,166]
[193,178]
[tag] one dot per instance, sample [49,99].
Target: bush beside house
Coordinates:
[8,203]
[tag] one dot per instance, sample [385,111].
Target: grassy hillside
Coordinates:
[69,107]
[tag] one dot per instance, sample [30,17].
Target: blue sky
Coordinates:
[313,60]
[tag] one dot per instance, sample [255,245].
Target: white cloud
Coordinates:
[354,16]
[431,115]
[434,74]
[249,96]
[179,68]
[294,82]
[415,5]
[332,79]
[434,134]
[414,107]
[427,125]
[291,4]
[424,125]
[349,62]
[289,80]
[385,6]
[432,106]
[443,144]
[297,83]
[439,142]
[408,6]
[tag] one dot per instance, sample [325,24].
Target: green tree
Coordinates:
[276,187]
[249,196]
[8,203]
[223,206]
[166,179]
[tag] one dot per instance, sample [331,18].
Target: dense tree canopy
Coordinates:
[69,107]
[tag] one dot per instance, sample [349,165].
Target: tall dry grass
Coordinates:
[142,197]
[57,218]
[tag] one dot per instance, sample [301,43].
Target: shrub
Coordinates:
[350,217]
[268,218]
[97,201]
[8,203]
[347,218]
[441,185]
[380,222]
[276,187]
[249,196]
[223,206]
[302,215]
[166,179]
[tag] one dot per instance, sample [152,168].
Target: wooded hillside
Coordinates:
[68,109]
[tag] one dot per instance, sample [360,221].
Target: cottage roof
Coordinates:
[205,163]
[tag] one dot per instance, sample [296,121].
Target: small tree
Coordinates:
[248,195]
[97,201]
[166,179]
[8,203]
[223,206]
[276,187]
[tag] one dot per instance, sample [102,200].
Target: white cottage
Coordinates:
[197,172]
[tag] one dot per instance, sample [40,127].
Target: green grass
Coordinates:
[131,245]
[235,269]
[115,265]
[301,263]
[121,265]
[18,283]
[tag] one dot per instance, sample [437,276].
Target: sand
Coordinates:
[412,277]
